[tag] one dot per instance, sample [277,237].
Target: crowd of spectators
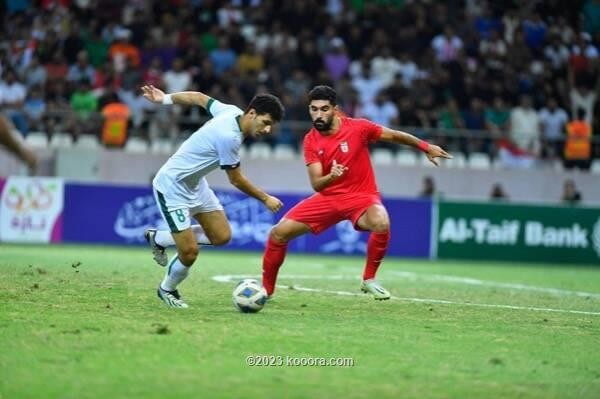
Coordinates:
[475,76]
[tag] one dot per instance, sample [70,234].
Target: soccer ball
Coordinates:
[249,296]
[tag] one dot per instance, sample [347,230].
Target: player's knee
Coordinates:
[188,255]
[221,239]
[278,235]
[381,225]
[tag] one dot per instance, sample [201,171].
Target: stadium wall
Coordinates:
[45,210]
[534,186]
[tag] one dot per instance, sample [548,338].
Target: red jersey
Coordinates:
[349,147]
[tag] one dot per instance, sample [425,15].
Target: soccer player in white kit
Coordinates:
[182,192]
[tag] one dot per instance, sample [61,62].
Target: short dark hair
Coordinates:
[323,92]
[267,104]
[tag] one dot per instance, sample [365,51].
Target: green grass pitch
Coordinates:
[84,322]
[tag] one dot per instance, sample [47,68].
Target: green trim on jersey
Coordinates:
[237,119]
[165,212]
[208,104]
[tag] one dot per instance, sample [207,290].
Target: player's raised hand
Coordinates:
[337,169]
[153,94]
[435,151]
[273,203]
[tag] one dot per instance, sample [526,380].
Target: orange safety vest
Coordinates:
[114,131]
[579,140]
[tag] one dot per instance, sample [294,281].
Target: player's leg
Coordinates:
[376,220]
[164,239]
[177,217]
[159,240]
[208,203]
[281,234]
[179,268]
[214,228]
[313,214]
[15,144]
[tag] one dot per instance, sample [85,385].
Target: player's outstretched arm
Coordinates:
[15,145]
[158,96]
[239,181]
[399,137]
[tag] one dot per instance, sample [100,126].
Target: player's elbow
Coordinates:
[235,178]
[235,182]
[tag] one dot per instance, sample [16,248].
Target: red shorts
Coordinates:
[320,212]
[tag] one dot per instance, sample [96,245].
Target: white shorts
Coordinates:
[177,210]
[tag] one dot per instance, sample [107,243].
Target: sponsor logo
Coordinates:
[31,208]
[538,235]
[480,231]
[136,216]
[344,146]
[507,232]
[34,195]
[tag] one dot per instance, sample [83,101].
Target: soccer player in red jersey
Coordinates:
[339,167]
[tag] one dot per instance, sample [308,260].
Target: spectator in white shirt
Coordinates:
[525,126]
[382,111]
[553,120]
[556,52]
[408,70]
[447,46]
[177,79]
[12,98]
[385,66]
[367,85]
[493,50]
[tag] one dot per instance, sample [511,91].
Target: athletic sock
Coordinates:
[164,238]
[176,273]
[376,249]
[272,261]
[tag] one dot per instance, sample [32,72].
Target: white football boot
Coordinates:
[371,286]
[171,298]
[158,252]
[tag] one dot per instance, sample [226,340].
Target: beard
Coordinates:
[323,126]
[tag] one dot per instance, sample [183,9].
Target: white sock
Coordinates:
[176,273]
[165,239]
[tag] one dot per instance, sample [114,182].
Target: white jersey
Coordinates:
[216,144]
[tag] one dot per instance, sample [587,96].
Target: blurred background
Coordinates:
[498,83]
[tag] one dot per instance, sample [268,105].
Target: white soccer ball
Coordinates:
[249,296]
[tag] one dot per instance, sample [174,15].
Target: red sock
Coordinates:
[376,249]
[272,261]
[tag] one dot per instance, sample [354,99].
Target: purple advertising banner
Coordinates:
[119,215]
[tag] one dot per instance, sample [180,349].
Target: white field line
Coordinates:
[444,279]
[495,284]
[234,277]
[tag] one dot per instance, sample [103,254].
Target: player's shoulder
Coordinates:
[351,120]
[225,109]
[311,134]
[217,108]
[356,123]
